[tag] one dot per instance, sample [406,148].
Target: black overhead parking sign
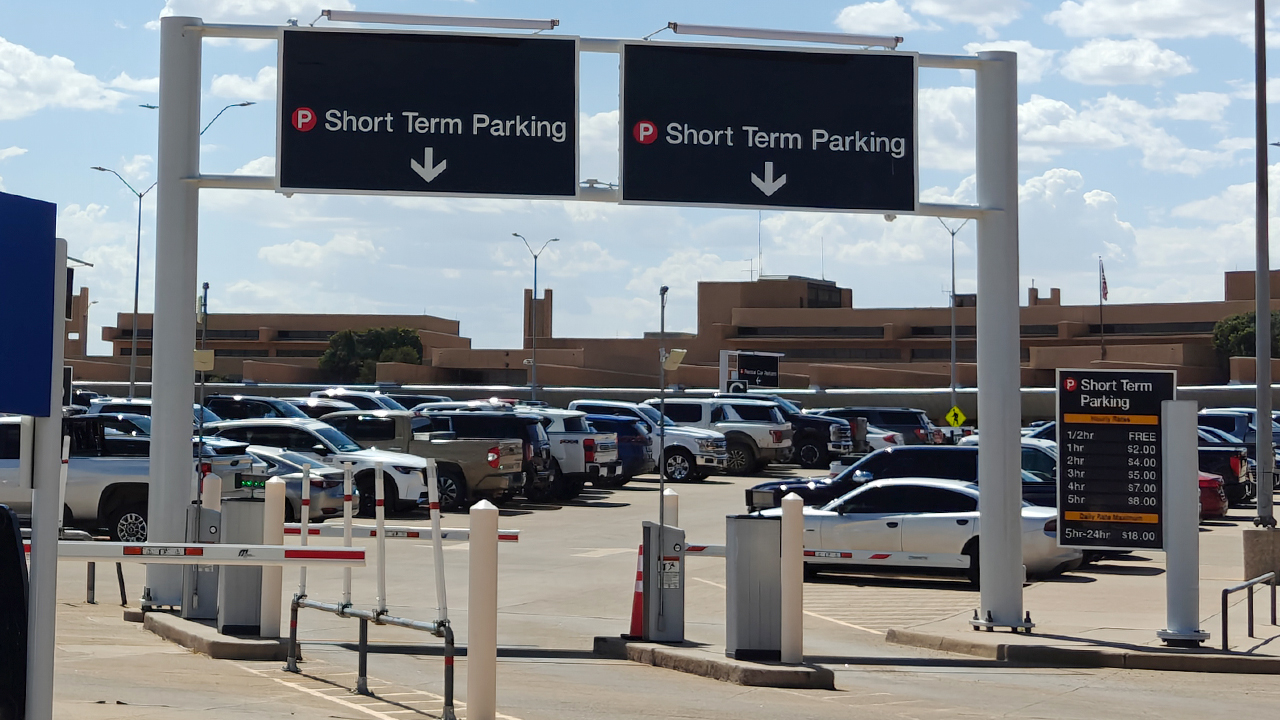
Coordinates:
[427,113]
[1110,474]
[742,127]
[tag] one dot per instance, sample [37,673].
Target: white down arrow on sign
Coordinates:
[427,171]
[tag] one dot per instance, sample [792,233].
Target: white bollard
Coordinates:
[482,613]
[304,521]
[346,528]
[671,507]
[437,543]
[272,575]
[211,492]
[792,579]
[380,521]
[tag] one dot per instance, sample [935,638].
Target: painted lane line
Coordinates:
[811,614]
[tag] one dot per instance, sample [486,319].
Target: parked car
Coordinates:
[879,438]
[1235,468]
[1213,499]
[317,407]
[920,524]
[635,448]
[911,423]
[403,477]
[466,469]
[108,475]
[246,407]
[692,453]
[578,452]
[953,462]
[409,400]
[142,406]
[817,438]
[754,431]
[527,428]
[362,399]
[1239,423]
[438,405]
[326,482]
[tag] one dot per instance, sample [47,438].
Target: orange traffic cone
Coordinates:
[637,602]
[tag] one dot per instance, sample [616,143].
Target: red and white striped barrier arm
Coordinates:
[393,531]
[705,550]
[209,554]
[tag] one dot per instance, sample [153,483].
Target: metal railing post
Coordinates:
[1249,594]
[362,678]
[448,671]
[91,584]
[124,597]
[1225,644]
[291,660]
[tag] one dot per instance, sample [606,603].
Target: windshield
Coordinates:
[204,413]
[338,439]
[653,416]
[787,405]
[291,461]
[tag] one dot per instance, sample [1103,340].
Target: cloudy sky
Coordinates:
[1135,141]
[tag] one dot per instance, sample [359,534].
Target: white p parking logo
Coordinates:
[645,132]
[304,118]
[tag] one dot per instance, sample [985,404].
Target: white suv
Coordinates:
[331,447]
[755,431]
[691,453]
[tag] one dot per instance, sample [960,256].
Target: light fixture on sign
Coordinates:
[884,41]
[445,20]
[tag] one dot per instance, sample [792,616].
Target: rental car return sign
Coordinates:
[1110,475]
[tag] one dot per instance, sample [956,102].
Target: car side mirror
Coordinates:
[320,450]
[862,477]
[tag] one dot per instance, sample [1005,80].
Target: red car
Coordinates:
[1213,499]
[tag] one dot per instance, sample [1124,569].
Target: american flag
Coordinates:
[1102,273]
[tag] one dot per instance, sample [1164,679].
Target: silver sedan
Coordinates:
[326,483]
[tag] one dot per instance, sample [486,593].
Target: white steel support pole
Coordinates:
[671,507]
[173,333]
[346,528]
[272,575]
[46,515]
[482,613]
[999,376]
[380,521]
[1265,474]
[304,520]
[1181,524]
[792,579]
[65,456]
[437,541]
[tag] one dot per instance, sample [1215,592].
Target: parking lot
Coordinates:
[570,578]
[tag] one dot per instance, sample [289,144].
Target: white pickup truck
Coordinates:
[578,454]
[754,429]
[108,471]
[691,453]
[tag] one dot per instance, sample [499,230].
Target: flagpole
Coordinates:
[1102,329]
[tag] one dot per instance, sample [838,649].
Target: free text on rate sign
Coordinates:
[1110,474]
[428,113]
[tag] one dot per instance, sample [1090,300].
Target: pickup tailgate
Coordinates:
[510,456]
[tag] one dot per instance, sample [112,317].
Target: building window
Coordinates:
[220,352]
[963,354]
[142,351]
[876,332]
[231,334]
[299,353]
[305,334]
[1170,328]
[944,330]
[890,354]
[823,296]
[127,333]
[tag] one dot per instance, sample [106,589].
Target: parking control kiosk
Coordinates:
[663,584]
[753,576]
[200,582]
[240,587]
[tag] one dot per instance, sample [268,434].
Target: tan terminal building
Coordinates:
[825,341]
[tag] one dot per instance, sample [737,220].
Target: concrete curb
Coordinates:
[696,661]
[206,640]
[1053,656]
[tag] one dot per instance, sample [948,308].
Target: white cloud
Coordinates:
[985,15]
[31,82]
[878,18]
[136,167]
[598,145]
[946,119]
[11,151]
[343,248]
[238,87]
[1033,62]
[142,85]
[1155,18]
[265,165]
[1204,106]
[271,12]
[682,270]
[1103,61]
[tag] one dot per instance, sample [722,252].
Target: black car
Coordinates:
[944,462]
[498,425]
[817,437]
[912,424]
[251,407]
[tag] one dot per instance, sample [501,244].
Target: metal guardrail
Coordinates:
[1248,585]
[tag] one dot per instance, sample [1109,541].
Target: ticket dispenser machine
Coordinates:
[663,583]
[753,576]
[200,582]
[239,586]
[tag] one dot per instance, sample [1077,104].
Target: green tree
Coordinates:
[354,356]
[1235,336]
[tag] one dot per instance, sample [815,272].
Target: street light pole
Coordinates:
[137,269]
[533,379]
[1262,280]
[953,304]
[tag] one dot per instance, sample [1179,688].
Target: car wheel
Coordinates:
[680,465]
[290,515]
[742,461]
[812,456]
[128,522]
[972,573]
[453,489]
[368,503]
[787,455]
[390,494]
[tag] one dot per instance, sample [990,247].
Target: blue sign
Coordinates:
[27,277]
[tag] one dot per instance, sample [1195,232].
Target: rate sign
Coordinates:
[731,126]
[1110,474]
[427,113]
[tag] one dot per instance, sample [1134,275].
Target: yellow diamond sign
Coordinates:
[955,418]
